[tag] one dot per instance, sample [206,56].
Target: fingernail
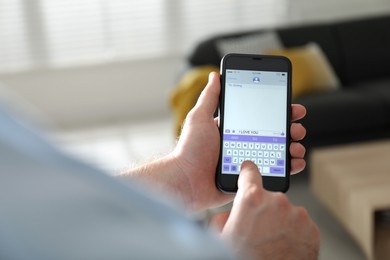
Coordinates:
[211,76]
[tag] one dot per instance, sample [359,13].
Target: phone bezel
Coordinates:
[228,182]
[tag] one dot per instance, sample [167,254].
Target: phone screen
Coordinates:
[254,123]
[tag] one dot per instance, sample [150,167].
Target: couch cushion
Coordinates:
[205,53]
[324,35]
[311,70]
[365,45]
[342,112]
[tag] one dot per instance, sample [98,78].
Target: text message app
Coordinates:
[255,121]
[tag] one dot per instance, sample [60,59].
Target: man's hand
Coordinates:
[189,171]
[264,225]
[196,153]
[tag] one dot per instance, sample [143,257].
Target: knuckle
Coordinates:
[281,200]
[303,214]
[190,115]
[317,233]
[252,195]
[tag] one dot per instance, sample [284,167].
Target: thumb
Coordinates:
[209,97]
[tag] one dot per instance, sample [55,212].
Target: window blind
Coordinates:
[52,33]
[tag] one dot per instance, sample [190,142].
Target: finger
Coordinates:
[249,176]
[218,221]
[297,150]
[298,112]
[209,97]
[216,121]
[250,188]
[297,131]
[297,165]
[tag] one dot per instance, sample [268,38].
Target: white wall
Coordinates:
[99,94]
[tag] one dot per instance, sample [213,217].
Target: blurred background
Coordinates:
[95,69]
[98,75]
[95,64]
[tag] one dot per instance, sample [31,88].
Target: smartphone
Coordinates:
[254,119]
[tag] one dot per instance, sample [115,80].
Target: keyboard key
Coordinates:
[278,170]
[267,156]
[280,162]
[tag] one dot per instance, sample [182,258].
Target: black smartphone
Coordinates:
[254,119]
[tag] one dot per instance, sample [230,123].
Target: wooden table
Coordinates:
[353,182]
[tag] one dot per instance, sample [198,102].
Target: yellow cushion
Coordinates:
[311,69]
[187,91]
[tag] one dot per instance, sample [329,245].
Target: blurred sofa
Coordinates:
[359,52]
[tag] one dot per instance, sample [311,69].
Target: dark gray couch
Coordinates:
[359,51]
